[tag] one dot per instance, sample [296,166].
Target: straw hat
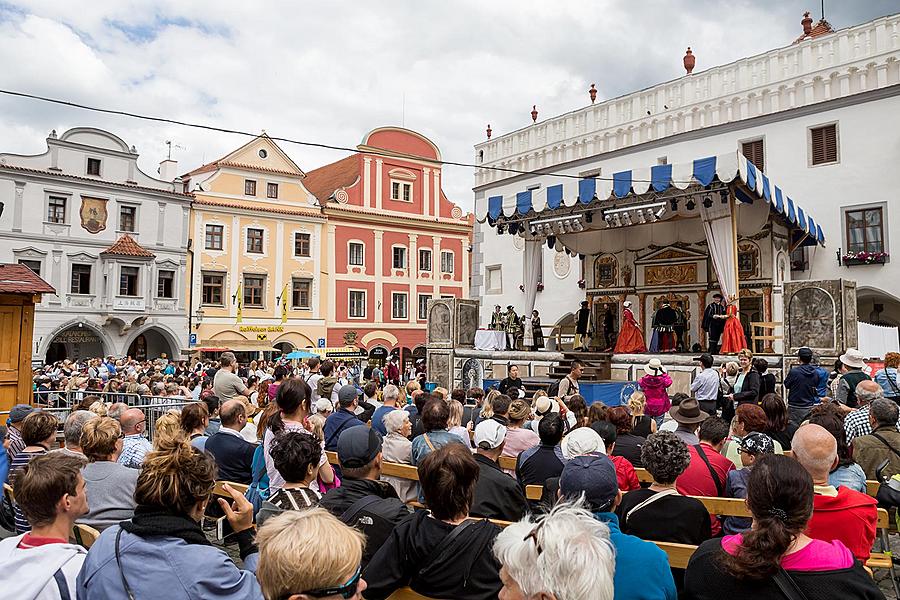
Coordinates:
[853,358]
[654,367]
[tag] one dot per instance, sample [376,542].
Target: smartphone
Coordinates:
[223,528]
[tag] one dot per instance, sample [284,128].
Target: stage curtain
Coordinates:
[720,236]
[533,264]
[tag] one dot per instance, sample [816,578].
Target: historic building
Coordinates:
[816,116]
[258,276]
[109,238]
[394,240]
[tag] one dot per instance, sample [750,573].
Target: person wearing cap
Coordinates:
[642,569]
[14,434]
[714,322]
[752,446]
[539,463]
[343,418]
[705,387]
[688,416]
[363,501]
[496,494]
[654,384]
[852,365]
[802,383]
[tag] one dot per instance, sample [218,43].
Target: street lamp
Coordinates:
[198,318]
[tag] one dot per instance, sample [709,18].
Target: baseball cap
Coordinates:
[358,446]
[347,394]
[706,359]
[20,411]
[489,434]
[583,440]
[757,443]
[592,475]
[804,353]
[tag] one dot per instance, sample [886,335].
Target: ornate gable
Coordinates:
[670,254]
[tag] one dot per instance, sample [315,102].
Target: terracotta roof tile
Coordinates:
[19,279]
[322,182]
[127,246]
[130,186]
[821,28]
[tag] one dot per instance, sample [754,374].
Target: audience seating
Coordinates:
[8,491]
[84,535]
[407,594]
[219,489]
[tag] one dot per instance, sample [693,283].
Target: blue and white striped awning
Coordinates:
[702,171]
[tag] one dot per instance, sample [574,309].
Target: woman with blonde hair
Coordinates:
[747,383]
[642,425]
[454,424]
[487,408]
[167,428]
[99,408]
[294,563]
[109,484]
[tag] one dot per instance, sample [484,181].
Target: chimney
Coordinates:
[168,170]
[807,23]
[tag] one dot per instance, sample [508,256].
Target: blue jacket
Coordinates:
[336,423]
[164,567]
[736,487]
[642,568]
[802,383]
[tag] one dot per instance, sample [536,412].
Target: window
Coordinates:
[399,303]
[357,304]
[254,288]
[302,244]
[800,259]
[254,241]
[424,259]
[128,281]
[865,230]
[249,187]
[213,288]
[357,254]
[93,166]
[34,265]
[423,306]
[165,284]
[753,150]
[301,293]
[446,261]
[823,145]
[81,279]
[56,209]
[662,160]
[401,191]
[127,218]
[271,190]
[493,279]
[214,234]
[399,254]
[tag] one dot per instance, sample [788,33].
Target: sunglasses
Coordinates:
[347,590]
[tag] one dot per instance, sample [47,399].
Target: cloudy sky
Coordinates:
[330,72]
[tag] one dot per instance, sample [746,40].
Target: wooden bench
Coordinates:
[84,535]
[406,593]
[678,554]
[219,489]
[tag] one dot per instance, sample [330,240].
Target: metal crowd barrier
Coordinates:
[63,399]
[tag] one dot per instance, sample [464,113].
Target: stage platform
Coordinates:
[611,393]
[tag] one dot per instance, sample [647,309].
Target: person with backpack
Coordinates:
[568,385]
[362,501]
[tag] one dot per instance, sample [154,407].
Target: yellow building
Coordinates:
[256,258]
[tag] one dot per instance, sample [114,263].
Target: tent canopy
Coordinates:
[658,181]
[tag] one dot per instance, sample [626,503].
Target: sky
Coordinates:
[331,72]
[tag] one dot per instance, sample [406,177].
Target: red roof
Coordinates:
[19,279]
[127,246]
[322,182]
[823,27]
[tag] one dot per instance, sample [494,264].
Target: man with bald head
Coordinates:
[233,454]
[857,423]
[838,513]
[135,446]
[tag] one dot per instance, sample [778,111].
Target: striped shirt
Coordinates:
[18,463]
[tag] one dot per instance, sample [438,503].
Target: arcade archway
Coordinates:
[76,342]
[150,344]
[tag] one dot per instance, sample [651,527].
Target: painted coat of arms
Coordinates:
[93,214]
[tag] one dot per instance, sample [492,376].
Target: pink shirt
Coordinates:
[518,440]
[818,555]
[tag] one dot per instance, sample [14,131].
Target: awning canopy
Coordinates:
[701,173]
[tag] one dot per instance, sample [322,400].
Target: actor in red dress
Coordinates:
[630,340]
[733,340]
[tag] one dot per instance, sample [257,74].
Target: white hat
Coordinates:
[627,304]
[323,405]
[489,434]
[544,406]
[853,358]
[654,367]
[582,440]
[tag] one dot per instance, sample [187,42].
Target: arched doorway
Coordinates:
[378,356]
[151,344]
[77,342]
[564,331]
[283,347]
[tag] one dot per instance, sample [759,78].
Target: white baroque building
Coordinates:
[819,116]
[109,238]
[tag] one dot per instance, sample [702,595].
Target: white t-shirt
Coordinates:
[275,478]
[312,381]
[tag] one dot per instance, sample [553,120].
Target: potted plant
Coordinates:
[864,258]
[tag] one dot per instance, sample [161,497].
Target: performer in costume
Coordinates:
[664,329]
[537,334]
[733,339]
[631,340]
[513,327]
[609,327]
[714,322]
[680,329]
[583,328]
[497,319]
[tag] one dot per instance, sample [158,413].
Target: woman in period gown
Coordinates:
[733,340]
[630,339]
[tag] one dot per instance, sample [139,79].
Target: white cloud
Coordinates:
[333,71]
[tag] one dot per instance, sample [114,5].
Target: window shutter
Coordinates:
[824,144]
[754,152]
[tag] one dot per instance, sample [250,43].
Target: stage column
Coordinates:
[701,299]
[641,319]
[767,316]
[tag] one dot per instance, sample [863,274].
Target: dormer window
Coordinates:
[93,166]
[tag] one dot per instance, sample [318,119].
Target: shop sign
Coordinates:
[77,336]
[261,328]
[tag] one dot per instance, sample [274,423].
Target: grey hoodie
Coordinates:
[27,574]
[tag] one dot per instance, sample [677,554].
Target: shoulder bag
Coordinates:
[788,586]
[720,487]
[649,501]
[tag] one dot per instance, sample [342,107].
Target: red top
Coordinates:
[29,541]
[850,517]
[697,480]
[625,474]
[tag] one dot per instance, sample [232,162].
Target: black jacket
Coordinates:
[466,568]
[234,456]
[706,579]
[497,495]
[509,382]
[338,500]
[749,388]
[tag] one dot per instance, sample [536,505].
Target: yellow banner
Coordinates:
[239,295]
[284,305]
